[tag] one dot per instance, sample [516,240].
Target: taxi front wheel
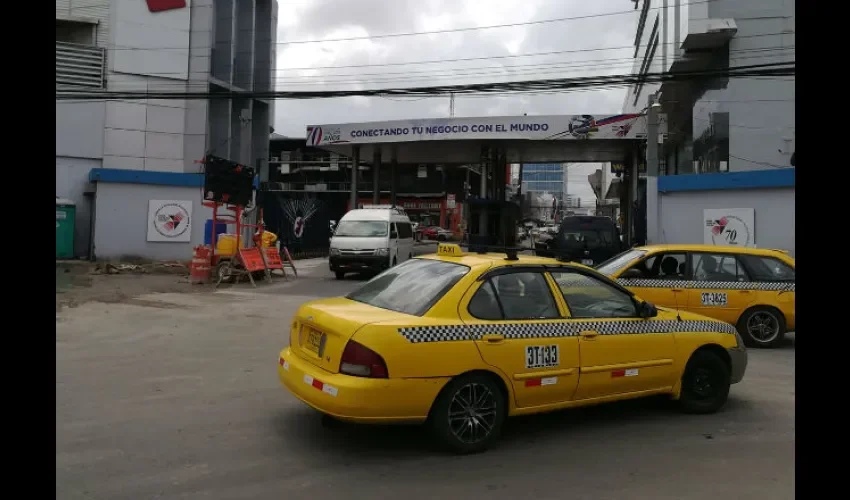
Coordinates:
[705,383]
[468,415]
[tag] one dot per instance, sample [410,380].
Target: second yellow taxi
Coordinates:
[751,288]
[463,340]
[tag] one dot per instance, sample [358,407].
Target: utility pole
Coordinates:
[652,139]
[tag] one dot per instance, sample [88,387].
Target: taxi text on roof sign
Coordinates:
[448,250]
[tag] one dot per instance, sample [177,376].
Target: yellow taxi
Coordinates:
[751,288]
[464,340]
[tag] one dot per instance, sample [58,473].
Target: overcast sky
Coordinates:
[570,46]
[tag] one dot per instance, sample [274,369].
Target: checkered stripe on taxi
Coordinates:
[708,285]
[450,333]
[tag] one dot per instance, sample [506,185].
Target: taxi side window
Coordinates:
[718,267]
[589,297]
[516,296]
[484,304]
[667,266]
[768,268]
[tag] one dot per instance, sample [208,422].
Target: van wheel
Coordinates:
[339,275]
[762,327]
[705,383]
[468,414]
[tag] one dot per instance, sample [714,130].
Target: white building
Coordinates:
[729,141]
[113,157]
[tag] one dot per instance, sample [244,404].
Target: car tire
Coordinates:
[753,324]
[492,412]
[440,237]
[339,275]
[705,383]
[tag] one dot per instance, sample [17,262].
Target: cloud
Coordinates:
[376,62]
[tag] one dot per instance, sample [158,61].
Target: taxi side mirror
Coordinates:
[647,310]
[631,274]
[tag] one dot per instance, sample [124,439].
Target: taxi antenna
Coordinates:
[676,298]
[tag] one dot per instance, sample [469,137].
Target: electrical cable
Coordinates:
[771,69]
[448,30]
[532,69]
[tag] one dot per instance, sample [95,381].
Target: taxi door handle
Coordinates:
[745,291]
[493,338]
[589,334]
[678,289]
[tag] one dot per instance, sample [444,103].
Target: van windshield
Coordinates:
[362,228]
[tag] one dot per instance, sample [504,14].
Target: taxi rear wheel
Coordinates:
[762,327]
[468,415]
[705,383]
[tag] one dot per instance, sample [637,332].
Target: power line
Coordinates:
[611,63]
[760,162]
[773,69]
[444,31]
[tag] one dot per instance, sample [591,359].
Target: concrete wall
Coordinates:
[682,215]
[121,218]
[761,111]
[79,148]
[150,43]
[762,114]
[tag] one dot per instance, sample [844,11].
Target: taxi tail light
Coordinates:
[360,361]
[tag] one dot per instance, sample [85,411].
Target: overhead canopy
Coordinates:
[530,139]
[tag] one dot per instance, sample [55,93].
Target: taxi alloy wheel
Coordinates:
[762,327]
[468,414]
[705,383]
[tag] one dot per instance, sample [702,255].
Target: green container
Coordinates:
[66,212]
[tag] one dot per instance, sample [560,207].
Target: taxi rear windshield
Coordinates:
[412,287]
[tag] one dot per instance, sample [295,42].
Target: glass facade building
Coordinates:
[539,178]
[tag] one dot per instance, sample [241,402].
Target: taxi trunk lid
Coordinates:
[323,328]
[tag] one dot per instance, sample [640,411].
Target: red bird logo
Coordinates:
[173,222]
[719,226]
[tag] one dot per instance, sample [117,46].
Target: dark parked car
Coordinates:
[587,240]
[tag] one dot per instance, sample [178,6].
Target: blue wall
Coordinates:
[751,179]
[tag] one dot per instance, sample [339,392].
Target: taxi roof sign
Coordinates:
[449,250]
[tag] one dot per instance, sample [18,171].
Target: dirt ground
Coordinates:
[81,282]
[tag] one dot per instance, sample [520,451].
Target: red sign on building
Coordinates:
[163,5]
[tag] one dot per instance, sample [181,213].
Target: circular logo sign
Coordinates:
[171,220]
[730,230]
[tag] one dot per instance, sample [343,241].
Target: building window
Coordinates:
[647,60]
[641,25]
[711,145]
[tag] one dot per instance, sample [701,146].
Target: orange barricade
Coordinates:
[273,260]
[200,267]
[289,259]
[252,259]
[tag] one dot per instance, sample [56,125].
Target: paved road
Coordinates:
[176,396]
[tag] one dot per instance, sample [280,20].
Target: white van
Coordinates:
[372,238]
